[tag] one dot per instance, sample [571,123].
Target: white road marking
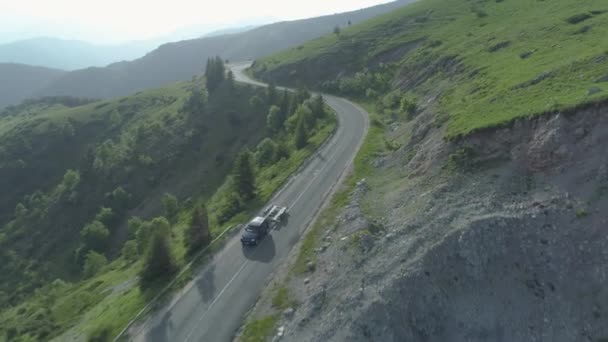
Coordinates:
[247,261]
[216,299]
[315,174]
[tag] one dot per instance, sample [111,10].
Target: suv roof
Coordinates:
[257,221]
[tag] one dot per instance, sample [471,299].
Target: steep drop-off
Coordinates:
[476,210]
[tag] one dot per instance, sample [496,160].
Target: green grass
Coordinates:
[489,82]
[82,307]
[281,298]
[582,213]
[372,147]
[259,330]
[272,177]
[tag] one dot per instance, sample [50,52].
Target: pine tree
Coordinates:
[215,73]
[284,105]
[318,106]
[198,234]
[271,94]
[244,177]
[170,206]
[300,134]
[230,81]
[274,119]
[159,258]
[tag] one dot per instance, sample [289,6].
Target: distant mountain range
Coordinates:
[181,60]
[71,54]
[19,81]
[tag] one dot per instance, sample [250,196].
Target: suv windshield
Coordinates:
[251,228]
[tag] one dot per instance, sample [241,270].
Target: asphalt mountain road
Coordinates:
[212,307]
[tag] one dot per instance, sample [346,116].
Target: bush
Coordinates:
[129,251]
[101,333]
[133,225]
[95,236]
[266,153]
[93,263]
[228,207]
[171,206]
[274,120]
[142,236]
[105,216]
[408,107]
[119,200]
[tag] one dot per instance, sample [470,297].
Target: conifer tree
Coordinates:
[300,134]
[244,177]
[159,260]
[198,234]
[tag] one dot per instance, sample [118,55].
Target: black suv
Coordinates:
[255,231]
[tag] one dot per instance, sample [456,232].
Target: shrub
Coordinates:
[105,216]
[129,251]
[266,153]
[408,107]
[95,236]
[274,119]
[170,206]
[102,333]
[229,206]
[133,225]
[281,298]
[93,263]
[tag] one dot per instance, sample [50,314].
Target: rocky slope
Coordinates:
[504,242]
[482,216]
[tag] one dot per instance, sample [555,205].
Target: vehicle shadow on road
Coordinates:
[264,252]
[160,333]
[206,284]
[284,222]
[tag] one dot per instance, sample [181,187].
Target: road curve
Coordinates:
[213,305]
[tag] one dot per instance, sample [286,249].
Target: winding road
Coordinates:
[213,305]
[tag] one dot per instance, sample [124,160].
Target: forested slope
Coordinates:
[101,192]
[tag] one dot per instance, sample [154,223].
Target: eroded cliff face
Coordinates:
[500,236]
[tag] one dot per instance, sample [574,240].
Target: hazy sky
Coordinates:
[122,20]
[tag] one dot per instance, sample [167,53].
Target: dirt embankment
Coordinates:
[502,236]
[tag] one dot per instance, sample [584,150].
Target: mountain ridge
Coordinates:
[26,81]
[181,60]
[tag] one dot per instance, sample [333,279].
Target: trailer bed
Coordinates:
[275,213]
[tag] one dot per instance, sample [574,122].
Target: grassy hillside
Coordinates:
[21,81]
[484,63]
[87,183]
[181,60]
